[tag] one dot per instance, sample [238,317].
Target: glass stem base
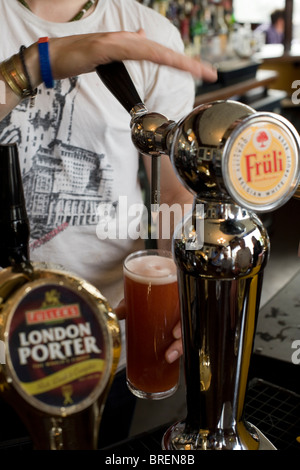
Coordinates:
[151,395]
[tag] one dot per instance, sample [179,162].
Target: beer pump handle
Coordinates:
[15,229]
[117,79]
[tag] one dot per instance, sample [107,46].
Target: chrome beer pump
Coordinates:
[237,163]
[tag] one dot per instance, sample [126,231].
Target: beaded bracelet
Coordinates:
[45,65]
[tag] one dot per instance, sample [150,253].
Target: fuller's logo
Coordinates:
[56,347]
[52,314]
[52,310]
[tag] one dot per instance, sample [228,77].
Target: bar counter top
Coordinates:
[285,63]
[214,92]
[269,407]
[271,52]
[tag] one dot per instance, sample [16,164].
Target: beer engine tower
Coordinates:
[237,163]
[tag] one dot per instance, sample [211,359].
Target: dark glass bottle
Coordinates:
[14,223]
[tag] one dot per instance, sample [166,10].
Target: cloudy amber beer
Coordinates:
[152,306]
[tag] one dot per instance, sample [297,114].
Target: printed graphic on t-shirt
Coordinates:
[63,184]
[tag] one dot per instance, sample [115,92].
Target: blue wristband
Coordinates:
[45,65]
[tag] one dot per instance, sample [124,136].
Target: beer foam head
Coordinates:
[152,268]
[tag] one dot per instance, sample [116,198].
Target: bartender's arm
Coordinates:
[74,55]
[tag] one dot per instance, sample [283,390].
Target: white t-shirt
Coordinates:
[75,146]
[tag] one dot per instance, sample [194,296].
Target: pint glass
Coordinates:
[152,306]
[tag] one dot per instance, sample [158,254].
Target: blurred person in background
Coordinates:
[274,31]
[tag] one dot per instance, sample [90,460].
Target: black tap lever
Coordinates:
[117,79]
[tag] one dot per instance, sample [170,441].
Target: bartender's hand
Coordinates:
[74,55]
[175,350]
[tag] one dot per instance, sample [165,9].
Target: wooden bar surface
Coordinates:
[263,78]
